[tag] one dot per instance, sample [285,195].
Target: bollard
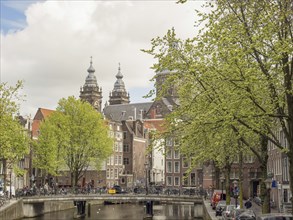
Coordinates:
[149,209]
[89,209]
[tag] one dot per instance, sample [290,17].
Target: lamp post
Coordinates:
[146,165]
[10,191]
[268,183]
[235,191]
[222,185]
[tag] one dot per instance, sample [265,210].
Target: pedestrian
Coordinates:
[248,204]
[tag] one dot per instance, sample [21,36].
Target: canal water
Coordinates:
[127,212]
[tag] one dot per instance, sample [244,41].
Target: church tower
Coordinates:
[90,91]
[119,94]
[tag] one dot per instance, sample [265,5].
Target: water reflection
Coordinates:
[127,211]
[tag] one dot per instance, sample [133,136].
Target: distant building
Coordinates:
[157,150]
[41,115]
[278,166]
[91,92]
[119,94]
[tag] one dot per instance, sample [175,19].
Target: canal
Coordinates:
[127,211]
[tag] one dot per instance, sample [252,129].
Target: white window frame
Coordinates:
[167,167]
[177,162]
[176,156]
[169,181]
[178,183]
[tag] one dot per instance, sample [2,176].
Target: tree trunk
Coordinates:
[72,178]
[240,176]
[75,177]
[227,182]
[5,174]
[217,176]
[264,192]
[290,156]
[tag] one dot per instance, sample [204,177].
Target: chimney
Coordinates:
[141,112]
[123,115]
[153,113]
[134,113]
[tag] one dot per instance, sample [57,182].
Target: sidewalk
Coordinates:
[256,208]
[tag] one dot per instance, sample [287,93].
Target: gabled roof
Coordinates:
[125,111]
[155,124]
[43,113]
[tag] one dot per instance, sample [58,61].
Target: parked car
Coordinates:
[227,212]
[275,216]
[217,196]
[220,207]
[243,214]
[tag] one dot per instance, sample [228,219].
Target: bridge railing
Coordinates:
[83,190]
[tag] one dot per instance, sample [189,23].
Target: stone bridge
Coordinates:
[115,198]
[34,206]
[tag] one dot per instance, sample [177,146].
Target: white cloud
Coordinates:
[51,54]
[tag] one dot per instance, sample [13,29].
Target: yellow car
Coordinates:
[112,191]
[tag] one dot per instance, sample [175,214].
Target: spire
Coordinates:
[119,93]
[90,91]
[91,68]
[119,84]
[119,74]
[91,79]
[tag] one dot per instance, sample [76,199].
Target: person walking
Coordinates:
[248,204]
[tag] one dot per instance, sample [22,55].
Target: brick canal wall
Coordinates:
[12,210]
[39,208]
[17,209]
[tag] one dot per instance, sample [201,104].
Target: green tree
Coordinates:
[14,142]
[236,75]
[74,137]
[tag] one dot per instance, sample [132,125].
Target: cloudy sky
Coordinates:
[48,45]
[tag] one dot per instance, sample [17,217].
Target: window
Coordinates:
[176,167]
[124,135]
[108,173]
[116,147]
[169,167]
[118,128]
[118,135]
[248,159]
[192,179]
[185,179]
[120,146]
[125,160]
[169,180]
[125,148]
[169,141]
[116,160]
[176,142]
[176,181]
[185,162]
[176,154]
[120,160]
[169,153]
[234,174]
[116,173]
[111,173]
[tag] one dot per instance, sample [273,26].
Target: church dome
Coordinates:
[91,80]
[119,84]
